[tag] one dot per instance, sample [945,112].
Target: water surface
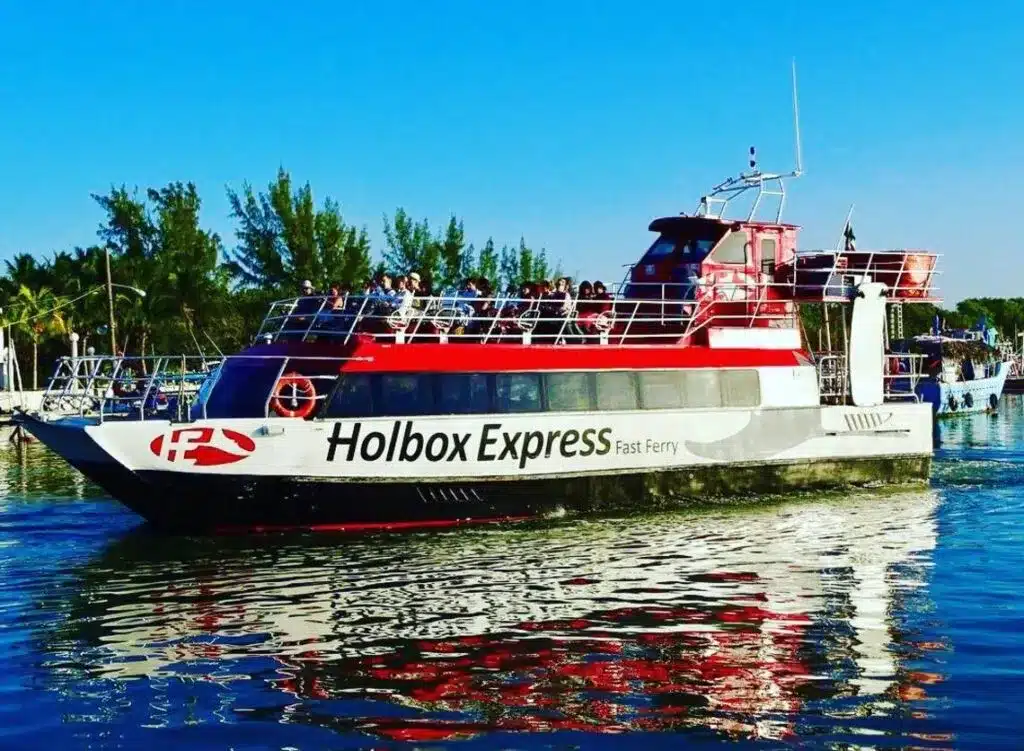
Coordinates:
[872,621]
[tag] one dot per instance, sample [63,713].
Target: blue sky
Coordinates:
[572,125]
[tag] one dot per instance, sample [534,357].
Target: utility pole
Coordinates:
[110,302]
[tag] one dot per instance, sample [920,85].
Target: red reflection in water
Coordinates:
[736,669]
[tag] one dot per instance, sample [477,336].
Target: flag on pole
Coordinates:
[850,239]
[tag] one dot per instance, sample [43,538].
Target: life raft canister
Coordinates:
[993,400]
[294,396]
[968,400]
[953,403]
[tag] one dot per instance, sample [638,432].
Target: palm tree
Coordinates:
[38,314]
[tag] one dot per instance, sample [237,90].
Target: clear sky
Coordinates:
[572,124]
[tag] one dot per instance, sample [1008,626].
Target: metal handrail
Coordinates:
[96,393]
[376,310]
[834,381]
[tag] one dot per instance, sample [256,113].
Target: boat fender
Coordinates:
[968,400]
[993,400]
[953,403]
[300,398]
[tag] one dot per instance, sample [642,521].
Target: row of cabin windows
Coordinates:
[401,394]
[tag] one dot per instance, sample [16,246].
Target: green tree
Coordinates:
[284,239]
[508,267]
[487,264]
[455,263]
[257,261]
[410,246]
[38,315]
[344,250]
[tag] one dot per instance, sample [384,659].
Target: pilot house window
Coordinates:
[768,256]
[733,248]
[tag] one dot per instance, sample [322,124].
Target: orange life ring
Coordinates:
[302,396]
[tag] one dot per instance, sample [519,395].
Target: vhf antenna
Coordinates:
[796,127]
[764,183]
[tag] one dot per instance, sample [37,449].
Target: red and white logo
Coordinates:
[203,447]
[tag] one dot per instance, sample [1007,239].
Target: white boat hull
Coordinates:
[225,472]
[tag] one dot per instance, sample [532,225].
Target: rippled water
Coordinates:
[876,621]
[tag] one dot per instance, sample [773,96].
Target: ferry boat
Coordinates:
[964,371]
[693,379]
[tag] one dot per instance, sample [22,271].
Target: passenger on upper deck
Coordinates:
[335,297]
[467,296]
[304,311]
[590,305]
[404,294]
[382,286]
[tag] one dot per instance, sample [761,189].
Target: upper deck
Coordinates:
[745,289]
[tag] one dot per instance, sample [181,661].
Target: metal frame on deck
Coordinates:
[700,305]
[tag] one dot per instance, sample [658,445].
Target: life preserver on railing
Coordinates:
[528,320]
[968,400]
[294,396]
[604,321]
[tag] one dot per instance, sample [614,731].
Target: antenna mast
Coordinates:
[796,127]
[765,183]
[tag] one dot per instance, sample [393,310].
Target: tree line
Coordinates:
[201,296]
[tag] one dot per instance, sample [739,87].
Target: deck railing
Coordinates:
[901,373]
[166,387]
[669,312]
[636,311]
[178,388]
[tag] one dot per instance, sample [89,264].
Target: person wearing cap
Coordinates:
[414,282]
[306,307]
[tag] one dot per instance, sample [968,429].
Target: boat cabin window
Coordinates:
[462,394]
[768,255]
[568,392]
[733,248]
[701,388]
[740,388]
[663,248]
[693,251]
[616,391]
[661,390]
[242,388]
[393,395]
[352,397]
[517,392]
[405,395]
[683,246]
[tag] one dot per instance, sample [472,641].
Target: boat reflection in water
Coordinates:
[757,623]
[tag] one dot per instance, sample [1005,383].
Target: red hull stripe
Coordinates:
[501,358]
[371,527]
